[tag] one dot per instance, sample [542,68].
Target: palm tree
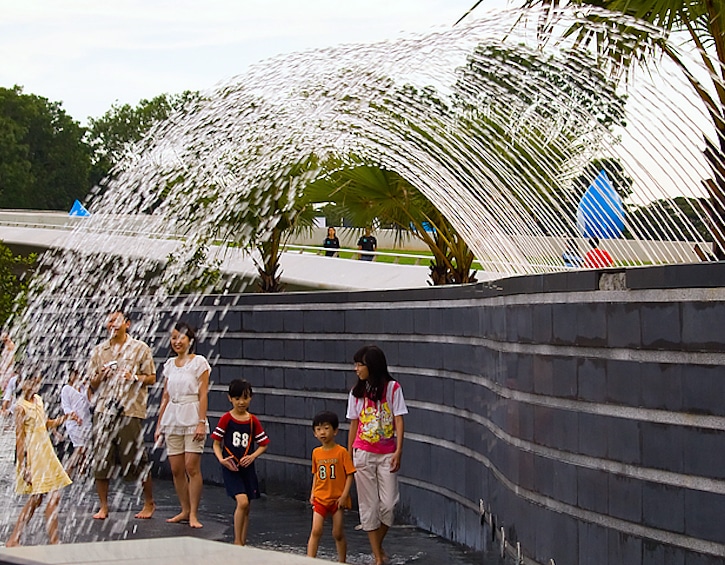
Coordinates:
[622,45]
[286,212]
[370,194]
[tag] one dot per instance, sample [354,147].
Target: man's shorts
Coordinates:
[177,444]
[118,447]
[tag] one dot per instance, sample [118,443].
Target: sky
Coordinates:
[89,55]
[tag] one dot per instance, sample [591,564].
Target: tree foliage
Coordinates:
[115,132]
[634,34]
[13,280]
[535,118]
[370,195]
[44,163]
[667,219]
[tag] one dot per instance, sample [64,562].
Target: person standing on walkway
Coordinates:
[571,257]
[597,258]
[234,436]
[375,409]
[182,420]
[7,360]
[331,243]
[332,473]
[38,471]
[367,243]
[120,372]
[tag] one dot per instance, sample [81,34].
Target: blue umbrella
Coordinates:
[600,212]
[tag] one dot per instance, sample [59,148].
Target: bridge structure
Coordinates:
[303,266]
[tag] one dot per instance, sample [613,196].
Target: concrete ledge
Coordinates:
[163,551]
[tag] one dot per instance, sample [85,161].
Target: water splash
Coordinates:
[491,127]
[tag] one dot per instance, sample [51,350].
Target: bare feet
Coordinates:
[12,542]
[194,523]
[180,517]
[147,511]
[102,514]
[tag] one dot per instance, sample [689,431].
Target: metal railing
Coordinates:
[354,253]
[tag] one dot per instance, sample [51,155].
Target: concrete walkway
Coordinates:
[277,524]
[44,230]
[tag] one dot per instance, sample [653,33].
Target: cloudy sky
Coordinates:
[90,54]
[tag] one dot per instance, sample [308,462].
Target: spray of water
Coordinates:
[490,126]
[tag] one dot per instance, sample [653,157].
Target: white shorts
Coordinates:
[80,436]
[176,444]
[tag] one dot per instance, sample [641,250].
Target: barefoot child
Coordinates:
[233,437]
[332,472]
[75,398]
[38,470]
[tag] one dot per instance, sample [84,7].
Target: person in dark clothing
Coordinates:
[331,243]
[367,243]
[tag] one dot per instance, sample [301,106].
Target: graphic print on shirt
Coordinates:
[323,474]
[376,421]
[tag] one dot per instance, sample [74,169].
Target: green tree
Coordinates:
[289,212]
[535,118]
[13,281]
[112,135]
[672,219]
[333,214]
[44,162]
[371,195]
[260,217]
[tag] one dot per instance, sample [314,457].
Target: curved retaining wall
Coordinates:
[583,412]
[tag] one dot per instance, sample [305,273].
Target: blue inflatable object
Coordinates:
[78,210]
[600,212]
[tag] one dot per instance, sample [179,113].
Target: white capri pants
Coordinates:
[377,488]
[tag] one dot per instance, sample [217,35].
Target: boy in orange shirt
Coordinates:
[332,471]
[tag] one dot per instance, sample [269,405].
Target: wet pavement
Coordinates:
[276,523]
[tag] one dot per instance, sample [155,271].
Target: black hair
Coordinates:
[594,242]
[239,388]
[119,310]
[326,417]
[378,376]
[189,331]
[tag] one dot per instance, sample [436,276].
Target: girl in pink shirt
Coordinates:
[375,409]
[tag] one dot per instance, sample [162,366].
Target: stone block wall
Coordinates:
[583,412]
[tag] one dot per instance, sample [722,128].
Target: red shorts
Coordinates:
[323,510]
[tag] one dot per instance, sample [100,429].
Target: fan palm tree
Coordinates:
[370,194]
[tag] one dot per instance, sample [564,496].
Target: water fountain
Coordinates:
[490,127]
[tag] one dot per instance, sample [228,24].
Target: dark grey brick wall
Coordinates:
[589,423]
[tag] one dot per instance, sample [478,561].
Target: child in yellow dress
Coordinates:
[38,470]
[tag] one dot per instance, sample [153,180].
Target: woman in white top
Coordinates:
[182,420]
